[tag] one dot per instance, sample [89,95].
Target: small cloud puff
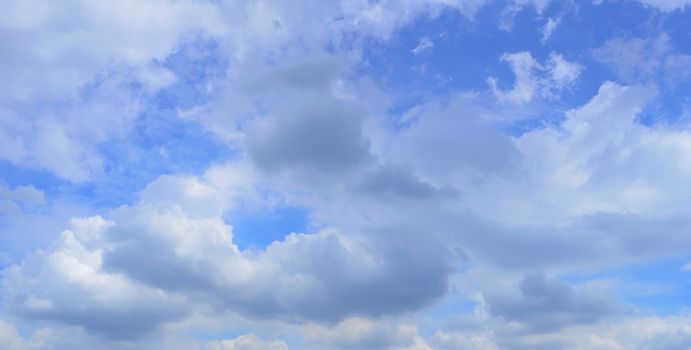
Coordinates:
[425,45]
[534,79]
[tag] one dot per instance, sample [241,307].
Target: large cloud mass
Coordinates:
[518,208]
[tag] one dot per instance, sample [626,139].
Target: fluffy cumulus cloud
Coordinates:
[53,285]
[324,276]
[283,175]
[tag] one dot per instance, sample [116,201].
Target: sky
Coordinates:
[345,174]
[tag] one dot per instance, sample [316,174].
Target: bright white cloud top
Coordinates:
[418,174]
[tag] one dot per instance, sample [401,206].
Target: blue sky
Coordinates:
[414,174]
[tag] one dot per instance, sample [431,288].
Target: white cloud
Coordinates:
[548,29]
[524,88]
[512,8]
[667,5]
[559,185]
[540,5]
[662,5]
[599,149]
[562,73]
[65,140]
[64,46]
[246,342]
[641,60]
[362,333]
[634,332]
[423,46]
[534,79]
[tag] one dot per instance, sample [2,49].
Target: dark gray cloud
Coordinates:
[546,304]
[313,73]
[306,129]
[390,180]
[321,134]
[146,261]
[321,277]
[119,322]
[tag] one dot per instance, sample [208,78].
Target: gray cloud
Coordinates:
[154,261]
[102,304]
[322,135]
[323,277]
[310,74]
[447,142]
[389,180]
[549,304]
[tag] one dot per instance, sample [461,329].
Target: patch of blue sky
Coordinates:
[456,60]
[198,65]
[668,110]
[163,142]
[256,229]
[461,56]
[451,309]
[590,26]
[12,176]
[662,287]
[462,53]
[454,306]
